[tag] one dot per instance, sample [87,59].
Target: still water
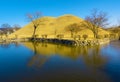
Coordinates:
[42,62]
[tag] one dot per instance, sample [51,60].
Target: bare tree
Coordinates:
[73,28]
[16,26]
[1,33]
[34,18]
[6,28]
[95,20]
[5,25]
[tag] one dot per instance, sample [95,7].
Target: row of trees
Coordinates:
[6,29]
[6,25]
[114,30]
[94,21]
[97,19]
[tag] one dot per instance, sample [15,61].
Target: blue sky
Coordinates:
[14,11]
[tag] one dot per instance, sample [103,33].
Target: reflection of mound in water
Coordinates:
[94,57]
[58,68]
[54,49]
[60,75]
[90,55]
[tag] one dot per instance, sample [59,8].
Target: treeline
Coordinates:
[6,29]
[114,30]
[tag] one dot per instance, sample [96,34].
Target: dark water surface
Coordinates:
[42,62]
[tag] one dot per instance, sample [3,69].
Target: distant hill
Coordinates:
[114,29]
[8,30]
[50,25]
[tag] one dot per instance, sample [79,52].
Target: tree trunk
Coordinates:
[71,34]
[95,34]
[34,33]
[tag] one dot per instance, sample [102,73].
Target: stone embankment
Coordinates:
[91,42]
[73,42]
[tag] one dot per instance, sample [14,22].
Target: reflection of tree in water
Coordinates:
[8,44]
[44,44]
[16,44]
[75,52]
[95,60]
[72,52]
[92,56]
[5,45]
[37,59]
[85,50]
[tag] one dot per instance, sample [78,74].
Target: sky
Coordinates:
[14,11]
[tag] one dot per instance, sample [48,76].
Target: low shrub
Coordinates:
[85,36]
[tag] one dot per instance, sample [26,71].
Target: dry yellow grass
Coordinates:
[50,25]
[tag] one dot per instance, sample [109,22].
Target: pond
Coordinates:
[43,62]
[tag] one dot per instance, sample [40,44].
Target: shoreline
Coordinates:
[62,41]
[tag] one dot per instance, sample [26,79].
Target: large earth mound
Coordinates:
[51,27]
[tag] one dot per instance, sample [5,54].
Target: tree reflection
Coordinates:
[5,45]
[8,44]
[93,56]
[37,60]
[42,51]
[16,44]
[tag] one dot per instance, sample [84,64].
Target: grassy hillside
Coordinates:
[51,25]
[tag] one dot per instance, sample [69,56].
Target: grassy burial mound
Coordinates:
[56,27]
